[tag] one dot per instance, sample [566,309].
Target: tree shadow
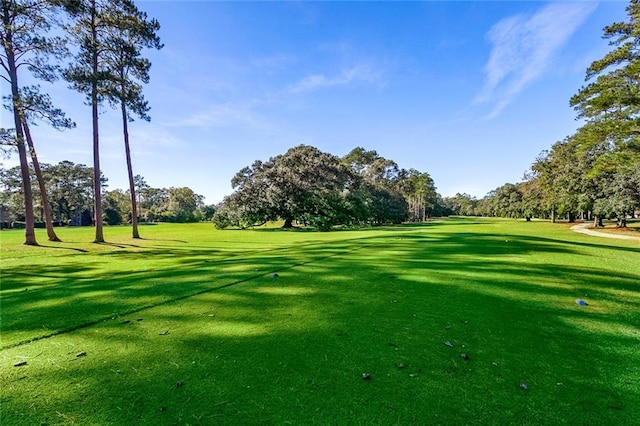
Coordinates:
[253,349]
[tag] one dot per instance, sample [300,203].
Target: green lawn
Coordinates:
[187,326]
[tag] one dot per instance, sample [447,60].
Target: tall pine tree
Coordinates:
[26,44]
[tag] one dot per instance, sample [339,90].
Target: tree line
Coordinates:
[70,196]
[595,172]
[94,45]
[318,189]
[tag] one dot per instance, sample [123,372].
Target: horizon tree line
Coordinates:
[70,189]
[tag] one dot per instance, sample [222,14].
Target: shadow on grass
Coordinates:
[294,348]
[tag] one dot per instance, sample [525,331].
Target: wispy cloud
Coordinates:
[523,48]
[235,114]
[355,74]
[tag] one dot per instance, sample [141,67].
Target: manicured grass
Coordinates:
[187,326]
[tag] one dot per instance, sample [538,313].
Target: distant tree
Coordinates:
[11,195]
[304,185]
[532,198]
[508,200]
[154,200]
[461,204]
[116,206]
[420,192]
[623,196]
[71,188]
[560,178]
[182,205]
[206,212]
[381,187]
[140,185]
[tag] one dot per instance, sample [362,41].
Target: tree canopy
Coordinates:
[311,187]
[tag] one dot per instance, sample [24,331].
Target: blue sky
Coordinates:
[468,91]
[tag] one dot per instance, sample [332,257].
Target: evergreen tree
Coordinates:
[130,69]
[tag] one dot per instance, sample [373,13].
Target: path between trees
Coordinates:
[582,228]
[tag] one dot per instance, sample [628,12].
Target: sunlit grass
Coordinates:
[190,326]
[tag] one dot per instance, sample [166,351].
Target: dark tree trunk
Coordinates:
[597,221]
[29,219]
[97,187]
[288,223]
[572,217]
[48,217]
[132,186]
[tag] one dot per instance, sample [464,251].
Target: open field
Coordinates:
[188,326]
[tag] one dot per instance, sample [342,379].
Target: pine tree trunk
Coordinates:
[97,187]
[132,187]
[29,219]
[48,217]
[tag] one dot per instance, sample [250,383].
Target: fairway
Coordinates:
[457,321]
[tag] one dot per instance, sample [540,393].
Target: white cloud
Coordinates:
[356,74]
[523,47]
